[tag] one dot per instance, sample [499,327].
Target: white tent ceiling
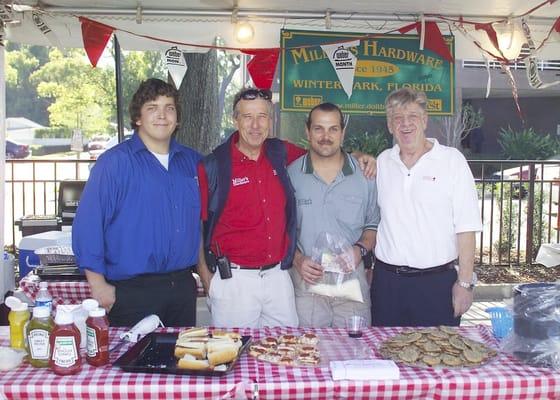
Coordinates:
[200,21]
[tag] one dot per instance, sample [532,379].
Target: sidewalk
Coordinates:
[476,314]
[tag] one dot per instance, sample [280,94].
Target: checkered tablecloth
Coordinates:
[68,292]
[502,378]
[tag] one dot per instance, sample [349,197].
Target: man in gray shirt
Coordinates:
[332,196]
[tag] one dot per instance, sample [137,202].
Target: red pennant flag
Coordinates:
[262,66]
[492,35]
[95,36]
[557,25]
[433,38]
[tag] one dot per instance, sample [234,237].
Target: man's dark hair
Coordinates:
[150,90]
[326,107]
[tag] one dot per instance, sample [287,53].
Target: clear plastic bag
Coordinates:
[535,338]
[340,279]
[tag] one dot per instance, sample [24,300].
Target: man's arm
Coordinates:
[202,268]
[368,163]
[368,241]
[101,290]
[462,298]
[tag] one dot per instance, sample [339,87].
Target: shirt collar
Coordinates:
[348,168]
[434,152]
[137,144]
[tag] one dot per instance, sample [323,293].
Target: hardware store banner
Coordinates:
[381,64]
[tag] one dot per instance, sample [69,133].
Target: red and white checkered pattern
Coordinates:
[68,292]
[502,378]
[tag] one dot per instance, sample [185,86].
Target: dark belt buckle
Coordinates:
[402,270]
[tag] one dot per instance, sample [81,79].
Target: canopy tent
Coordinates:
[192,25]
[150,24]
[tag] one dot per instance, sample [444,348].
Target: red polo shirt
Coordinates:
[252,228]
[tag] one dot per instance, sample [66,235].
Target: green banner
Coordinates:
[384,63]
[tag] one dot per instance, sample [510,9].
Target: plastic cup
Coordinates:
[354,325]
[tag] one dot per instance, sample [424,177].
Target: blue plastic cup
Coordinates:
[502,321]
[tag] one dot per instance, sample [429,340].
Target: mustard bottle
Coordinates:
[18,318]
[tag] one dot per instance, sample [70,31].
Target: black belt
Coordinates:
[261,268]
[408,271]
[166,275]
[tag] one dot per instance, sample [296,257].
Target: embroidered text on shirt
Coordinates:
[240,181]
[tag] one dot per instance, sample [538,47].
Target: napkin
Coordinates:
[364,369]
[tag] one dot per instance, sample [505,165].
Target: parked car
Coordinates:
[96,145]
[16,150]
[113,141]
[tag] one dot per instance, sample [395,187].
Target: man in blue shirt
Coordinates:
[137,229]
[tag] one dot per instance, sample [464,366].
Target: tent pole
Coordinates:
[118,87]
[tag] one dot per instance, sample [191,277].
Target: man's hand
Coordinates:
[368,164]
[462,300]
[309,270]
[101,291]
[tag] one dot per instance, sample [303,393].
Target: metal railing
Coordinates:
[518,202]
[31,188]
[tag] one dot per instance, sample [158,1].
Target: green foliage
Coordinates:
[60,132]
[79,101]
[510,216]
[527,144]
[369,143]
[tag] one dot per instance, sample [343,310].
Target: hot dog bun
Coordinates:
[190,362]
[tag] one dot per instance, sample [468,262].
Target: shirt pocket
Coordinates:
[350,210]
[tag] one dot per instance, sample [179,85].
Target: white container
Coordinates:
[28,244]
[7,278]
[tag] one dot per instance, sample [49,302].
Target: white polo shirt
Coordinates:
[423,208]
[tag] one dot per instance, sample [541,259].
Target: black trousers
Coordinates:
[423,300]
[171,296]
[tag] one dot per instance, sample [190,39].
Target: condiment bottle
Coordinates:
[38,333]
[97,328]
[65,345]
[18,318]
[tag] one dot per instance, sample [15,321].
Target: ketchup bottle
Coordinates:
[65,345]
[97,332]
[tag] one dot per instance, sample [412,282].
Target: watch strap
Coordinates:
[363,249]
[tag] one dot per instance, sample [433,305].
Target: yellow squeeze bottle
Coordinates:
[18,318]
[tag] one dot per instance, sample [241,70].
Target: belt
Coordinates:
[167,275]
[408,271]
[261,268]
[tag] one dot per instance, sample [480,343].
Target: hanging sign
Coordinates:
[384,63]
[176,65]
[344,63]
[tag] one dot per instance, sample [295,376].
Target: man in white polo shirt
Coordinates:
[333,196]
[429,216]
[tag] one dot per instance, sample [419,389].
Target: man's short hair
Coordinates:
[150,90]
[252,93]
[404,96]
[326,107]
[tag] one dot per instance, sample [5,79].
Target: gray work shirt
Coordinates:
[347,206]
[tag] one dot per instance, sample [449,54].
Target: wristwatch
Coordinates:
[468,285]
[363,250]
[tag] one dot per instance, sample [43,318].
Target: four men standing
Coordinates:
[138,226]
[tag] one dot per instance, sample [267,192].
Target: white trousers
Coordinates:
[254,299]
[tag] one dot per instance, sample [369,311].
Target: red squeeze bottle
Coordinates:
[97,333]
[65,345]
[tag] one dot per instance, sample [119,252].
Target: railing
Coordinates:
[542,65]
[518,202]
[519,206]
[32,188]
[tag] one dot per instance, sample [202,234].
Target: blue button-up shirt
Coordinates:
[135,217]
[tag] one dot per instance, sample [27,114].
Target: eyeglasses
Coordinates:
[252,94]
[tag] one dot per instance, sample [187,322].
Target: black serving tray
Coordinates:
[60,273]
[154,353]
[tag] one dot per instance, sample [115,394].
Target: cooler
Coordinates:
[28,244]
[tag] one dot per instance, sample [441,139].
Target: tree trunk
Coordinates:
[198,94]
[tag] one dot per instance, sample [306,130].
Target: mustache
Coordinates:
[325,141]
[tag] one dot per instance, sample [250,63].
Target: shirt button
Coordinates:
[268,219]
[260,181]
[269,238]
[269,256]
[264,200]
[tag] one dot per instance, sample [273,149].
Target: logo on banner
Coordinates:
[176,65]
[344,63]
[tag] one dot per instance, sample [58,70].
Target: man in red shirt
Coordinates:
[248,206]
